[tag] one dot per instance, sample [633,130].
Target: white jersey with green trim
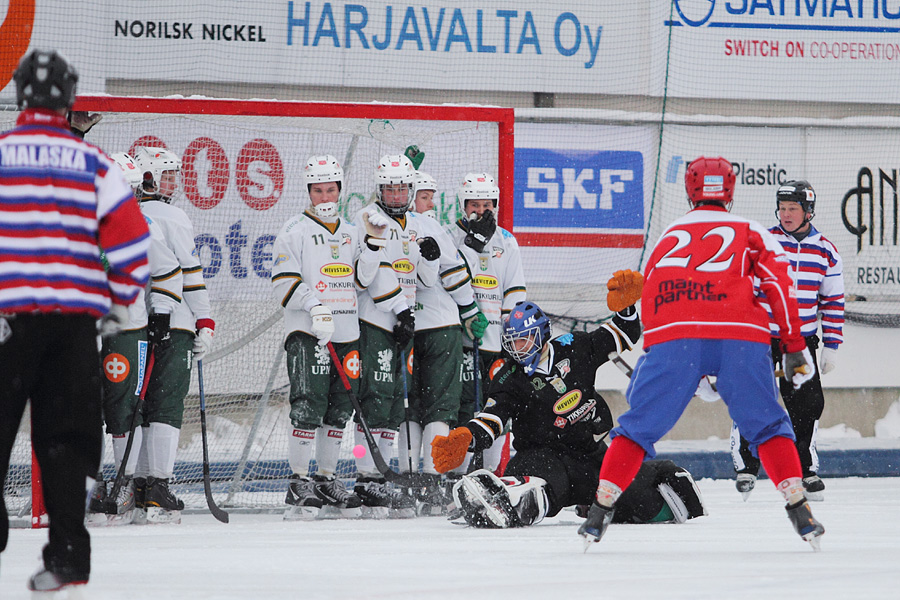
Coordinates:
[498,280]
[179,235]
[163,293]
[394,287]
[316,262]
[438,306]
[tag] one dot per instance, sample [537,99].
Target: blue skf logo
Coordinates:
[579,190]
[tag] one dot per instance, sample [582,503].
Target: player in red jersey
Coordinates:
[701,317]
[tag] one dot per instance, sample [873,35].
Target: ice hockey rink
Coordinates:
[739,551]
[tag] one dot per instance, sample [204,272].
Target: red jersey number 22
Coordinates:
[713,264]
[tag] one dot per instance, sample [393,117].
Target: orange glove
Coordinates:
[625,289]
[449,451]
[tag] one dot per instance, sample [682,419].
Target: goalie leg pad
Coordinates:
[488,501]
[681,493]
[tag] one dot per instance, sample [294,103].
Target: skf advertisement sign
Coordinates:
[579,198]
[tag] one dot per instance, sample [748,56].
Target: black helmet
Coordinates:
[45,80]
[797,191]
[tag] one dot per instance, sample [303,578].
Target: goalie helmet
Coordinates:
[478,186]
[153,162]
[324,169]
[132,173]
[45,80]
[525,332]
[394,169]
[710,181]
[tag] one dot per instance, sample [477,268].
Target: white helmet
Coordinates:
[324,169]
[394,169]
[478,186]
[423,181]
[153,162]
[132,173]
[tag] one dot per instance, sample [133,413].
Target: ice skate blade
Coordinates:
[301,513]
[814,496]
[745,496]
[108,520]
[67,592]
[161,516]
[815,542]
[375,512]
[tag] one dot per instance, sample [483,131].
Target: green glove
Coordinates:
[415,156]
[473,320]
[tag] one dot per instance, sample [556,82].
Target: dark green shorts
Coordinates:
[318,395]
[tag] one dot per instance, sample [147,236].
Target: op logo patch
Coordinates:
[116,367]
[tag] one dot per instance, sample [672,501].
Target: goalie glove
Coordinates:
[625,289]
[480,230]
[415,156]
[473,321]
[112,322]
[80,122]
[158,329]
[449,451]
[428,248]
[204,338]
[376,226]
[404,328]
[828,360]
[799,367]
[322,323]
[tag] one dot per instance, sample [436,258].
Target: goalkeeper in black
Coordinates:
[559,422]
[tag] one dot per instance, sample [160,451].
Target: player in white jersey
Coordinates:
[387,322]
[818,282]
[498,281]
[124,358]
[436,388]
[176,339]
[320,262]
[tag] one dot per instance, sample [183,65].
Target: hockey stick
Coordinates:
[404,479]
[406,410]
[112,506]
[217,512]
[478,457]
[620,362]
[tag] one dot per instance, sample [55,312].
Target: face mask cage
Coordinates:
[532,335]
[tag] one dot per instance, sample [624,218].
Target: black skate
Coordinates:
[98,496]
[375,496]
[336,500]
[805,524]
[594,526]
[162,506]
[55,577]
[116,511]
[813,488]
[301,497]
[745,483]
[433,499]
[403,502]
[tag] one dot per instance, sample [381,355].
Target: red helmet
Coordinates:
[710,180]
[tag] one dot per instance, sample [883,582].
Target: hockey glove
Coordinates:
[415,156]
[449,451]
[112,322]
[473,321]
[404,328]
[480,231]
[322,323]
[625,289]
[158,329]
[376,226]
[799,367]
[80,122]
[828,360]
[203,339]
[428,248]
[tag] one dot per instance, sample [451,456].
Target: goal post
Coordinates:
[241,180]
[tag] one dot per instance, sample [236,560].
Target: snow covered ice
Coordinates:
[740,551]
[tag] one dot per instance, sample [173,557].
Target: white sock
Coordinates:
[432,430]
[408,450]
[386,445]
[364,464]
[492,455]
[300,446]
[119,444]
[792,490]
[162,444]
[328,449]
[142,468]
